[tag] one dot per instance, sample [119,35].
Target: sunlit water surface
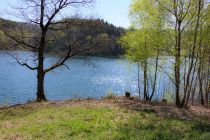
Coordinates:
[92,77]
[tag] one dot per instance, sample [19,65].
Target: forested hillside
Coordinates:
[86,32]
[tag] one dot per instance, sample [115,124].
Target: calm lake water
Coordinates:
[92,77]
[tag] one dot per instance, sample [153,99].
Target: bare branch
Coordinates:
[20,41]
[22,63]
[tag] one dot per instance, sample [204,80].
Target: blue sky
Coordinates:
[113,11]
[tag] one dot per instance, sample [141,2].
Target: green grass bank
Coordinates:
[97,120]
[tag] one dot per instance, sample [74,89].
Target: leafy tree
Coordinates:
[177,28]
[147,40]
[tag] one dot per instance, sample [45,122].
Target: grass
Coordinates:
[95,122]
[110,95]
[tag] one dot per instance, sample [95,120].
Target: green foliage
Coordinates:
[147,37]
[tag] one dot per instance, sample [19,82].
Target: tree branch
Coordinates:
[22,63]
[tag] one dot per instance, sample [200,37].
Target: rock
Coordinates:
[164,101]
[127,94]
[132,98]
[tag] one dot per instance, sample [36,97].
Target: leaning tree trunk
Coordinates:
[155,79]
[188,85]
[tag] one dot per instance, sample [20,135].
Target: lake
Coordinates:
[91,77]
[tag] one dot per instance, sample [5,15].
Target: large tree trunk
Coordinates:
[40,79]
[40,87]
[40,72]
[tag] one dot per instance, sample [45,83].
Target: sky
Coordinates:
[113,11]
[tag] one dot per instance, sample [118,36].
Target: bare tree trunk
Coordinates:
[139,87]
[177,66]
[200,83]
[187,90]
[155,79]
[190,88]
[145,81]
[177,53]
[40,71]
[40,86]
[201,92]
[207,87]
[185,71]
[193,92]
[207,99]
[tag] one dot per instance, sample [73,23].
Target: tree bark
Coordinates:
[177,66]
[200,79]
[193,92]
[207,87]
[190,88]
[177,53]
[145,81]
[139,87]
[206,99]
[40,87]
[155,79]
[40,71]
[188,85]
[41,74]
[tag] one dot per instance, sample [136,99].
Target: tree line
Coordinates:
[96,30]
[178,29]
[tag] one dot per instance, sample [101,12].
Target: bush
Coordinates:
[110,95]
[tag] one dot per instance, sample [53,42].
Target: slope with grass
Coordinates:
[93,119]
